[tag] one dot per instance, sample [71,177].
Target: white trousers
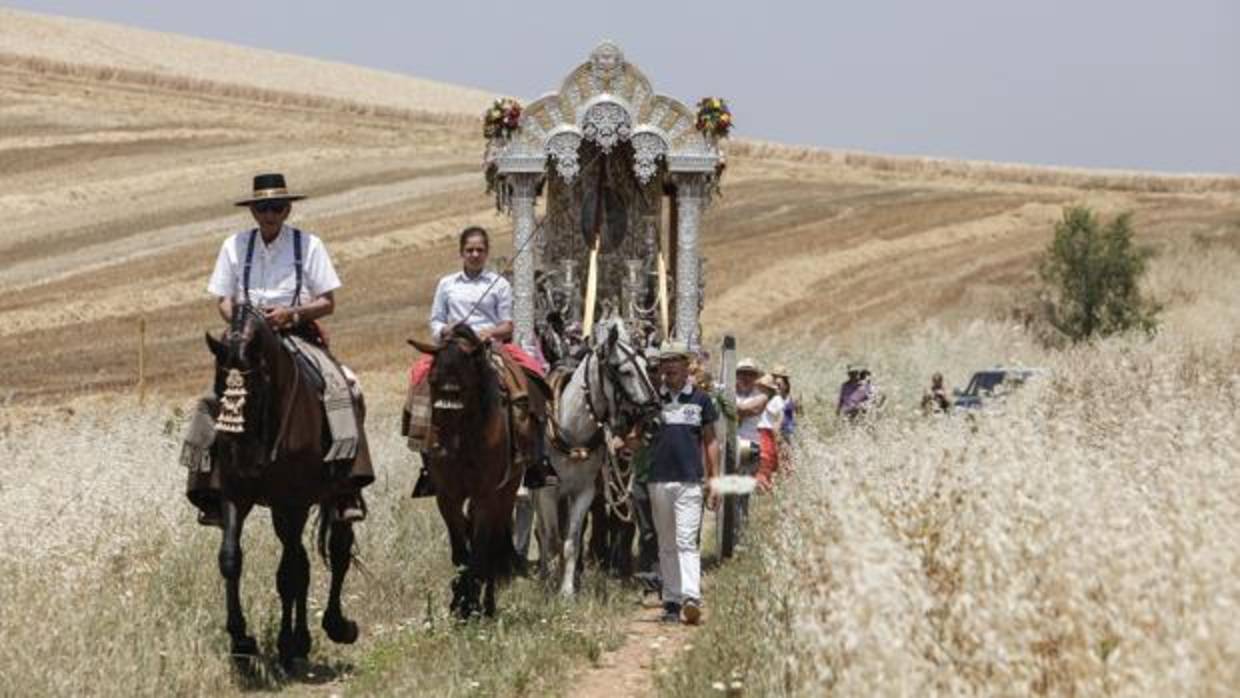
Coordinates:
[677,509]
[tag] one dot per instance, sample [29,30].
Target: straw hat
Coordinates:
[270,187]
[780,371]
[675,350]
[767,382]
[747,365]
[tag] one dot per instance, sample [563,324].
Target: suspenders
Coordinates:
[249,262]
[297,266]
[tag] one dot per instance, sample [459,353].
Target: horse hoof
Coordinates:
[294,666]
[244,647]
[292,647]
[340,630]
[301,644]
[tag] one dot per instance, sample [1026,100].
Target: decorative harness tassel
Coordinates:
[232,419]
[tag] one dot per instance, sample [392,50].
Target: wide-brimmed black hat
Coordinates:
[270,187]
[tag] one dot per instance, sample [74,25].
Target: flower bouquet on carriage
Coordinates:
[713,117]
[501,119]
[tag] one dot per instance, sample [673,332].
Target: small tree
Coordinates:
[1093,273]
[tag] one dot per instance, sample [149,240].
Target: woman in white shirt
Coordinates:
[768,431]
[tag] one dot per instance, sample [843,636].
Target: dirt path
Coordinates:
[629,670]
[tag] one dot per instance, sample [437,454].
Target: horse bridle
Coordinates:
[612,374]
[232,403]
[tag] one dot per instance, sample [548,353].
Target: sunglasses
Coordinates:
[270,206]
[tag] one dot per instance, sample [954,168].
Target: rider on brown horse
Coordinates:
[286,274]
[482,300]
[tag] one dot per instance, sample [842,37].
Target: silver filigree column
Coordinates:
[524,189]
[690,200]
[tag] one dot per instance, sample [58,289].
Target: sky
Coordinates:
[1134,84]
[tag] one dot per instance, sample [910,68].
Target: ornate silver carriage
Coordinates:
[625,174]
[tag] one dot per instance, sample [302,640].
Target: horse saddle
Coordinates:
[520,385]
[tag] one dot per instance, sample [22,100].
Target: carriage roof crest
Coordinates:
[605,100]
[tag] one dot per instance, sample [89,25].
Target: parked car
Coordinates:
[992,383]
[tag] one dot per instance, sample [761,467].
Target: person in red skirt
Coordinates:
[768,431]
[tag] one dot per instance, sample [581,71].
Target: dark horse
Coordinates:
[269,451]
[474,463]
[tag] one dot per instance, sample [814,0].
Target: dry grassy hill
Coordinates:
[122,151]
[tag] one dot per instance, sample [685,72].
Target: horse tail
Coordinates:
[494,556]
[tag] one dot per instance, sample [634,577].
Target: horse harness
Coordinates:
[559,381]
[232,402]
[613,375]
[617,478]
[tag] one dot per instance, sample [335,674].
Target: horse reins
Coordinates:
[537,228]
[236,424]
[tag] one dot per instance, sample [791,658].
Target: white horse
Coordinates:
[608,393]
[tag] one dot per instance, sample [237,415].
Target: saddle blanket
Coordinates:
[340,388]
[200,434]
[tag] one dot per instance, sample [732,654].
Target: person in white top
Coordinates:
[749,405]
[287,274]
[481,299]
[768,431]
[259,266]
[772,416]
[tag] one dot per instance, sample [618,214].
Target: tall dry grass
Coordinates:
[1081,538]
[111,588]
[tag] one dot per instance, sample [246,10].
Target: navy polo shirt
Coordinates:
[676,455]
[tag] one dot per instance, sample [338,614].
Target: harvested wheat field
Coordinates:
[1081,541]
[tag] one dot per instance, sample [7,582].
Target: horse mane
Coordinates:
[242,313]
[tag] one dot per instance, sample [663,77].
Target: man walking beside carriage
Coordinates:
[683,456]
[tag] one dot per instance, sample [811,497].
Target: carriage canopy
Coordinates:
[626,174]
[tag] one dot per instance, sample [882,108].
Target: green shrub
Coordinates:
[1093,274]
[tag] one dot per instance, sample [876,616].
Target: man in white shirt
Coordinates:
[288,275]
[259,266]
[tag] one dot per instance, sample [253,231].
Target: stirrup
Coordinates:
[423,487]
[212,518]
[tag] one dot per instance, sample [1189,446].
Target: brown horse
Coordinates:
[269,451]
[473,462]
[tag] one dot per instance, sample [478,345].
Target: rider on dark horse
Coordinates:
[287,275]
[481,299]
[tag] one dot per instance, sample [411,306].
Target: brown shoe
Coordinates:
[692,611]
